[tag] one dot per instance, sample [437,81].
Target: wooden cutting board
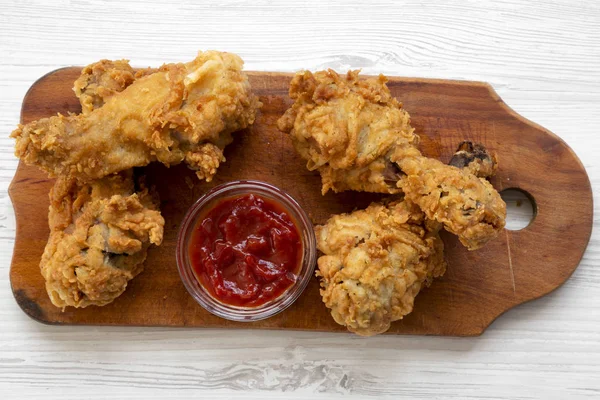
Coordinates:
[478,287]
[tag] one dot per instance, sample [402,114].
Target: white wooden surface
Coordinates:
[542,57]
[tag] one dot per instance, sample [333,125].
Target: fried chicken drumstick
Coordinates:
[376,261]
[100,232]
[99,236]
[359,138]
[180,113]
[347,129]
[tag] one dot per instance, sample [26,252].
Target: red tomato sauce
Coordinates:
[246,250]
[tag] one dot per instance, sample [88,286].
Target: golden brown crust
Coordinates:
[375,263]
[100,232]
[166,116]
[359,138]
[103,79]
[466,205]
[99,236]
[377,260]
[346,128]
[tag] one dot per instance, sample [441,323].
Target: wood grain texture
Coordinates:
[541,58]
[478,286]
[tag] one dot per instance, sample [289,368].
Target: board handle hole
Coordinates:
[520,208]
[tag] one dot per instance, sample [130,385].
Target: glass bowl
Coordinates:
[272,307]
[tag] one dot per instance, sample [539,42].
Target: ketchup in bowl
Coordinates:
[246,250]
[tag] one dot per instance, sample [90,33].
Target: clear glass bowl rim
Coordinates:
[246,314]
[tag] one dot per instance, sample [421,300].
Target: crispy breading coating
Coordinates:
[103,79]
[99,236]
[182,112]
[466,205]
[359,138]
[346,128]
[375,263]
[377,260]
